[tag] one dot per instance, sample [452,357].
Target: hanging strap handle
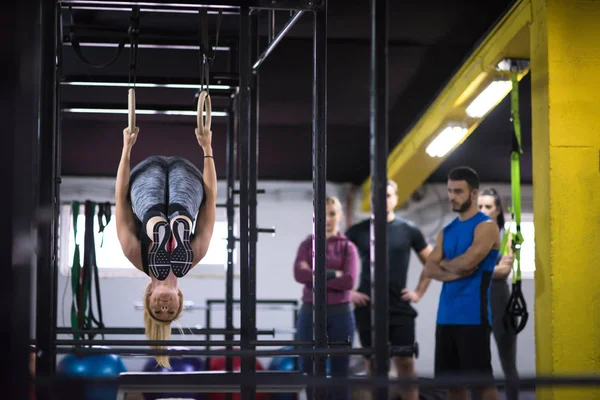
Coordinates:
[516,315]
[75,273]
[79,53]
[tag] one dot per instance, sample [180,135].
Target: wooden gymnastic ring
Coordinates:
[131,110]
[204,104]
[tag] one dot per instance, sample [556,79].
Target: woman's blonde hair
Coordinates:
[334,201]
[157,329]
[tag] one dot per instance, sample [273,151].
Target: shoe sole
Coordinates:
[182,254]
[159,259]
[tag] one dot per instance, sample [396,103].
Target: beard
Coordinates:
[462,207]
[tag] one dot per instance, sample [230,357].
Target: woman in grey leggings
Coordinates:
[156,205]
[490,204]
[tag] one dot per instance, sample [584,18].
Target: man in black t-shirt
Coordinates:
[402,237]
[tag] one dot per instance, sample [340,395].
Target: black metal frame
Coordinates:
[242,134]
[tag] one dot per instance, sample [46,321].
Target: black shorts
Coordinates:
[401,330]
[461,349]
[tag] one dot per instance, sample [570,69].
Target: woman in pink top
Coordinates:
[342,270]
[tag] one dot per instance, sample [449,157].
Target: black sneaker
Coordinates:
[182,254]
[159,259]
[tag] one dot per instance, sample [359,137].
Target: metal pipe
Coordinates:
[247,320]
[46,251]
[250,298]
[141,331]
[379,152]
[319,143]
[230,5]
[18,164]
[273,43]
[258,301]
[150,10]
[244,353]
[271,25]
[149,46]
[230,174]
[291,379]
[184,343]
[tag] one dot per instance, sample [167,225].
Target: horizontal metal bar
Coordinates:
[132,352]
[258,191]
[153,107]
[141,331]
[138,111]
[147,46]
[138,84]
[266,230]
[174,343]
[271,46]
[174,381]
[258,301]
[306,5]
[151,10]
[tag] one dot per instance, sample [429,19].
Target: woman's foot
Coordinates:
[182,254]
[159,259]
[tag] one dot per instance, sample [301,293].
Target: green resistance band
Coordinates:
[515,315]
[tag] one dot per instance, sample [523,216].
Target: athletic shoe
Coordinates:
[159,259]
[182,254]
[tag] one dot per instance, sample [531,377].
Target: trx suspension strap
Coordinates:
[134,20]
[206,59]
[78,303]
[515,315]
[82,276]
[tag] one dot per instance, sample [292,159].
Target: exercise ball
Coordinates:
[218,364]
[178,364]
[291,363]
[93,366]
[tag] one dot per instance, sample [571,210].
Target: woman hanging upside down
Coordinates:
[156,204]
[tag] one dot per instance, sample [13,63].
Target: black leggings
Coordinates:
[505,341]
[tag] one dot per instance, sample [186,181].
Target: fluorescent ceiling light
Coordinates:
[488,98]
[139,112]
[146,85]
[150,46]
[446,140]
[149,10]
[143,4]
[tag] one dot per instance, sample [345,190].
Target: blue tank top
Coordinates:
[466,301]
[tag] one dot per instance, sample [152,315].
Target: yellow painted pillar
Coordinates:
[565,80]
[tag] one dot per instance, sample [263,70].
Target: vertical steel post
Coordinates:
[18,171]
[319,192]
[247,316]
[46,259]
[230,175]
[379,153]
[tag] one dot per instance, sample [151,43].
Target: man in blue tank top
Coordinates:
[464,260]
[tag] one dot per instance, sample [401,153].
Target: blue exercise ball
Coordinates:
[178,364]
[93,366]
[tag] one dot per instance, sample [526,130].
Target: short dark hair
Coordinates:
[465,174]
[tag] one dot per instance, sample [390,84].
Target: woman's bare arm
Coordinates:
[125,220]
[205,221]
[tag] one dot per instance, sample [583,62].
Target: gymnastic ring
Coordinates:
[204,105]
[131,109]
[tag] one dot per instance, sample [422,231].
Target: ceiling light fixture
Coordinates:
[138,111]
[446,140]
[146,85]
[488,98]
